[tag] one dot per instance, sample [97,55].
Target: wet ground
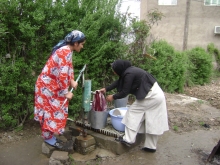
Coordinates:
[188,142]
[190,148]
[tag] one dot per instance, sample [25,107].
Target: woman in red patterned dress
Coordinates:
[52,86]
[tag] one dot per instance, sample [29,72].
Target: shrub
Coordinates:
[168,68]
[16,88]
[29,30]
[199,70]
[214,51]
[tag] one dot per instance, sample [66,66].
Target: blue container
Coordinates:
[116,120]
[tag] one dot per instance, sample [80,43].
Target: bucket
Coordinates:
[98,119]
[116,118]
[121,102]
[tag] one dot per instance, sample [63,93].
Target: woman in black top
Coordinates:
[148,114]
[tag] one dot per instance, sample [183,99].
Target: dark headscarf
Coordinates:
[72,37]
[119,66]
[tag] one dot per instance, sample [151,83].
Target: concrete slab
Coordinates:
[97,153]
[108,142]
[60,155]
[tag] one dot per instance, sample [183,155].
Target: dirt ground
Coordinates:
[194,120]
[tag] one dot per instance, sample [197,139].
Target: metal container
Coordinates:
[98,119]
[121,102]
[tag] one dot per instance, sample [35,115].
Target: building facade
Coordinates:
[186,23]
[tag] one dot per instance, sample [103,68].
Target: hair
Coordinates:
[80,41]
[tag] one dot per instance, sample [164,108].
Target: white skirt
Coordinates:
[151,112]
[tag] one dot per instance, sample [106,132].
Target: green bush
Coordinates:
[16,88]
[199,69]
[29,30]
[214,51]
[168,68]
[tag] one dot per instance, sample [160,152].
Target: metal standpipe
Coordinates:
[87,95]
[97,119]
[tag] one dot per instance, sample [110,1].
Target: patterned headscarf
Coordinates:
[72,37]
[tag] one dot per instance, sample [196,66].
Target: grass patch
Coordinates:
[175,128]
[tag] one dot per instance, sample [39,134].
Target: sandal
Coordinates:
[63,146]
[58,140]
[121,140]
[58,145]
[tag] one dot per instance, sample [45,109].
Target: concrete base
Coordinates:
[109,143]
[59,158]
[85,145]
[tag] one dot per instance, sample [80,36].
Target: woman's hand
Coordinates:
[69,95]
[109,98]
[74,84]
[103,90]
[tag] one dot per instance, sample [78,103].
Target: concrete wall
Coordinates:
[202,20]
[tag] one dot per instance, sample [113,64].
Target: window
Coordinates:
[167,2]
[212,2]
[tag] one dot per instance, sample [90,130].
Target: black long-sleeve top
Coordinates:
[134,81]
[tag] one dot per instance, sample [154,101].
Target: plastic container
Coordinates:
[116,120]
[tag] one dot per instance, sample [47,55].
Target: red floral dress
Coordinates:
[51,86]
